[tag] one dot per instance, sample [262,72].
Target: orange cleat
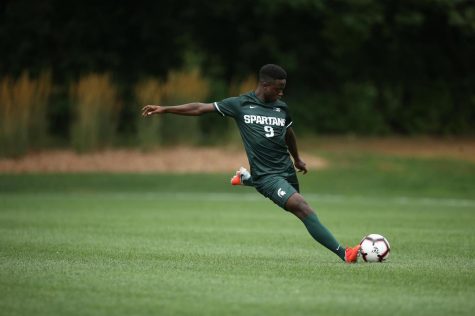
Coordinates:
[351,254]
[236,180]
[241,174]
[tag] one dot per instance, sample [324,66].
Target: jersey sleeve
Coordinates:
[228,107]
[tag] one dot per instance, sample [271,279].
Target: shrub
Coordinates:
[238,87]
[183,87]
[149,91]
[23,107]
[96,111]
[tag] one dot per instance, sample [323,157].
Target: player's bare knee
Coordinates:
[305,208]
[298,206]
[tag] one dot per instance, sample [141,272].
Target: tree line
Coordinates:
[356,66]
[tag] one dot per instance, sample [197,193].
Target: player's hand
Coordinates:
[301,166]
[151,109]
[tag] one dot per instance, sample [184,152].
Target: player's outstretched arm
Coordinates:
[190,109]
[291,142]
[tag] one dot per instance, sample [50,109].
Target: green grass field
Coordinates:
[163,244]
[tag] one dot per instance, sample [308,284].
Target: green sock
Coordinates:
[321,234]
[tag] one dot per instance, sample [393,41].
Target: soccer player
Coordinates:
[265,126]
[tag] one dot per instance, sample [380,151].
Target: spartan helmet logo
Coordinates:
[281,192]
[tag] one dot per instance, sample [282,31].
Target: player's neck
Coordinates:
[260,94]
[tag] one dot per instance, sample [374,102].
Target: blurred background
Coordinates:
[75,74]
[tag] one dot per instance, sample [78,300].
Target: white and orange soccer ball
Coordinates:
[374,248]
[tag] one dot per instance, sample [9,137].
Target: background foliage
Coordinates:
[358,66]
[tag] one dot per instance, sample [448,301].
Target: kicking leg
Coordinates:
[297,205]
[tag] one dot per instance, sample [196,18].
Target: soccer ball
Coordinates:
[374,248]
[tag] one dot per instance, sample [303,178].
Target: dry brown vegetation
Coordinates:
[179,159]
[420,147]
[228,159]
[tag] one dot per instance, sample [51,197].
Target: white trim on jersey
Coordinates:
[217,108]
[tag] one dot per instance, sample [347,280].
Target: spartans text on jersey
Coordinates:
[264,120]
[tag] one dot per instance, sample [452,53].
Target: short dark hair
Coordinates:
[272,72]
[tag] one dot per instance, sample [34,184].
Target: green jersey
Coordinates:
[263,127]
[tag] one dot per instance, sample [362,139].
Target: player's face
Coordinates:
[274,90]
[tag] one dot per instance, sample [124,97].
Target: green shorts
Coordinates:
[278,188]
